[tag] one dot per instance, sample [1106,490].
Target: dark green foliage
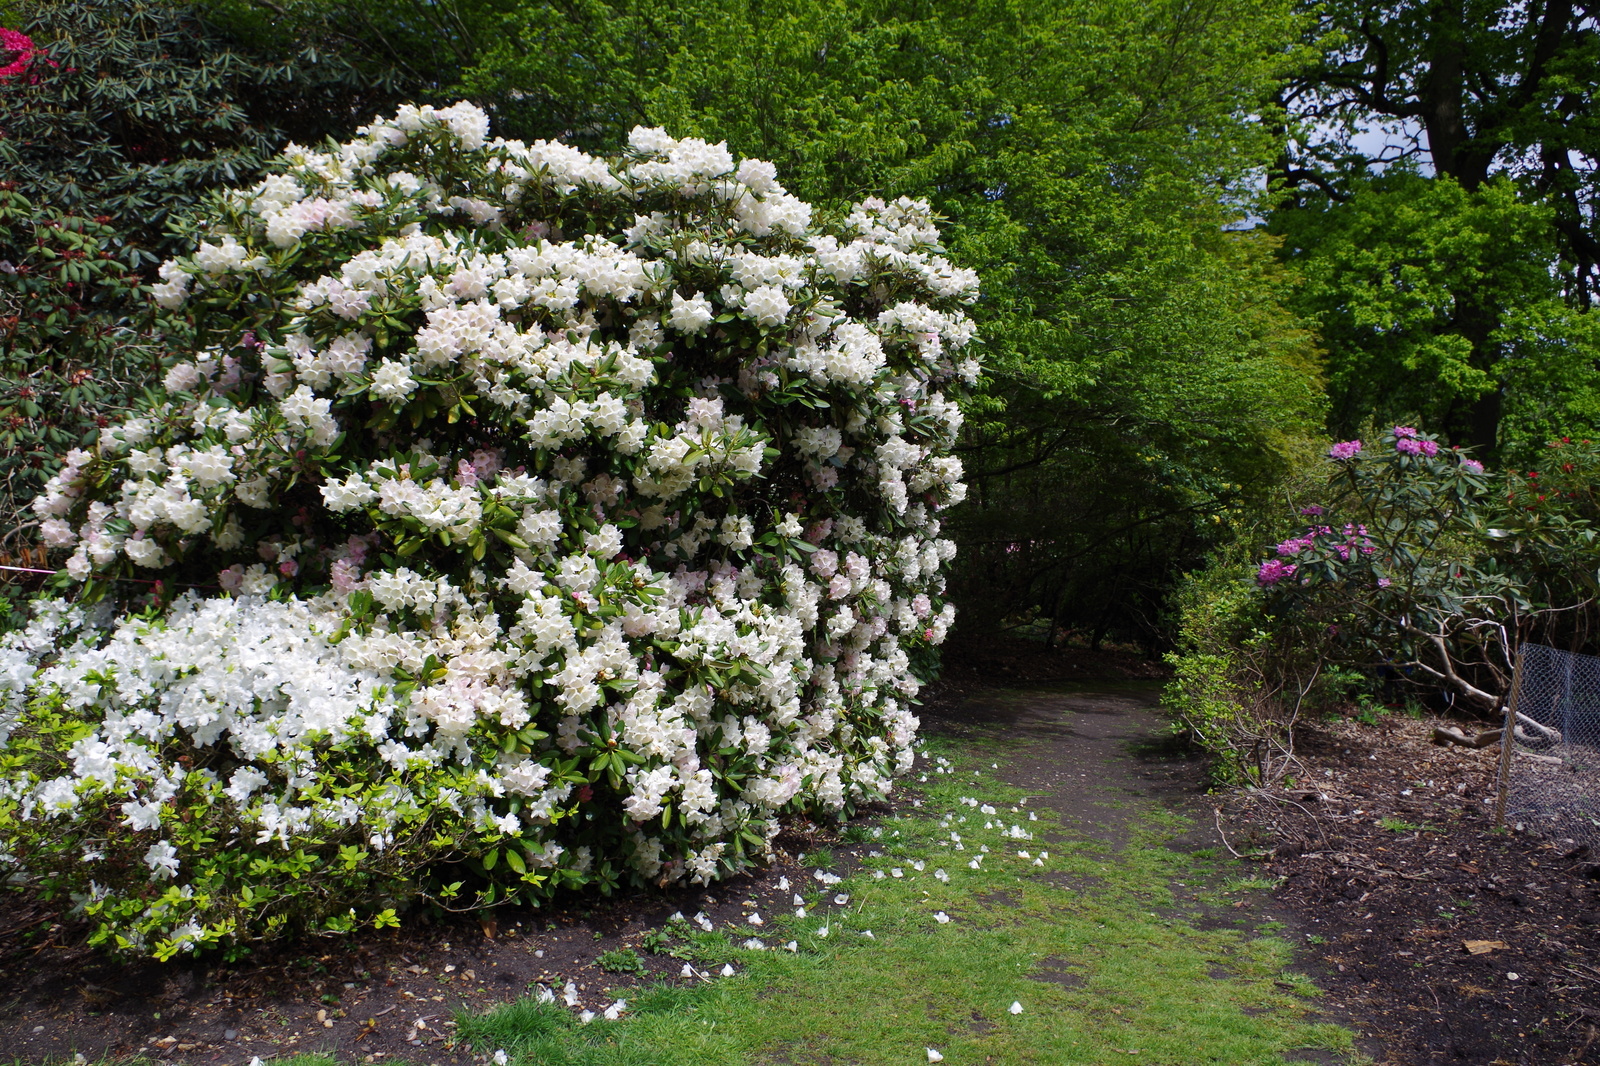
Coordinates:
[72,355]
[134,108]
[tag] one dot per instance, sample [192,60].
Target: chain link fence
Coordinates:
[1550,750]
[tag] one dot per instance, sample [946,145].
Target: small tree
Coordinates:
[544,520]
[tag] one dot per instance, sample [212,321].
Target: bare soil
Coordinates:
[1383,913]
[1389,858]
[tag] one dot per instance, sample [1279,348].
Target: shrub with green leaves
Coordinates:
[72,354]
[540,520]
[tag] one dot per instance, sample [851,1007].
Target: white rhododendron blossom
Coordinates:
[541,519]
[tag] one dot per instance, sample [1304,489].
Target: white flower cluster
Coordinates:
[634,531]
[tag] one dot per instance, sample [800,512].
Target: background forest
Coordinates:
[1214,237]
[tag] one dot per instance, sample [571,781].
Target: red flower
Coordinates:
[22,50]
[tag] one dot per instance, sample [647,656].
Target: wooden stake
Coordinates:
[1508,743]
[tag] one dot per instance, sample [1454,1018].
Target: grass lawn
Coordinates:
[1086,938]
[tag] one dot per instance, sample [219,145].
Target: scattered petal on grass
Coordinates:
[941,875]
[974,864]
[677,916]
[823,932]
[793,945]
[799,912]
[799,900]
[868,934]
[570,994]
[783,884]
[918,865]
[586,1017]
[755,919]
[1038,862]
[545,995]
[754,945]
[934,1056]
[727,971]
[897,872]
[941,917]
[877,875]
[1016,1007]
[1032,817]
[841,899]
[1023,855]
[688,971]
[501,1058]
[614,1011]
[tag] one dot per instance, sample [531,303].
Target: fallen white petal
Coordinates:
[727,969]
[941,917]
[1016,1007]
[793,945]
[586,1017]
[755,919]
[841,899]
[934,1056]
[868,934]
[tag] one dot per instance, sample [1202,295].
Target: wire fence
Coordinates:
[1550,750]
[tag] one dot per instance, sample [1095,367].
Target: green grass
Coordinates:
[1400,825]
[1104,965]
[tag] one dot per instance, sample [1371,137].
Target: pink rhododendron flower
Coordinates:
[1273,571]
[1344,449]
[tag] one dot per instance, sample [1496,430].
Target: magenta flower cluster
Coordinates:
[1413,446]
[1344,450]
[1273,571]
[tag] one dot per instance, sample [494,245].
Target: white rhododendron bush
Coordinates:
[524,520]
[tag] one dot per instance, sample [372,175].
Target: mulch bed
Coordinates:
[362,998]
[1389,911]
